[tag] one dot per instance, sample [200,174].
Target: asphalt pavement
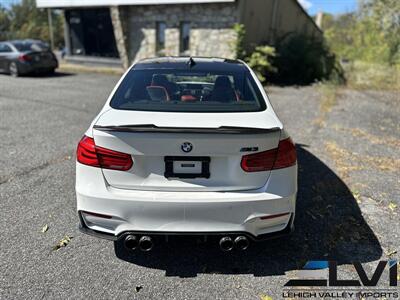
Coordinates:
[348,202]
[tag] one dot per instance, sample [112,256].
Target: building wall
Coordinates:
[212,24]
[211,31]
[292,18]
[268,20]
[257,16]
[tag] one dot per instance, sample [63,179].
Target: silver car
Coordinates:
[20,57]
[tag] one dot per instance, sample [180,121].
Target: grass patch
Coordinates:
[75,68]
[328,92]
[347,161]
[329,97]
[373,76]
[373,139]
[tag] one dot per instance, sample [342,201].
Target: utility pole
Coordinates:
[50,17]
[318,21]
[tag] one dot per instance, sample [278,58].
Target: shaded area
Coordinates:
[44,75]
[329,226]
[50,75]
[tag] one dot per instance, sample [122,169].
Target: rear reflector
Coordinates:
[274,216]
[90,154]
[282,157]
[96,215]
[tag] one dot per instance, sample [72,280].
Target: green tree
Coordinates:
[372,34]
[28,21]
[5,22]
[385,17]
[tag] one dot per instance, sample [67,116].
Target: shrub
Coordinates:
[303,60]
[238,47]
[261,62]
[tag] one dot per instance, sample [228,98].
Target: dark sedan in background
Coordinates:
[22,57]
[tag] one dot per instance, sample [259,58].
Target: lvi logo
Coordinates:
[327,270]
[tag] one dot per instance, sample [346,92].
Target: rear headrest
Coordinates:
[222,82]
[159,79]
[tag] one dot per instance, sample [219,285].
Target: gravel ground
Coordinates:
[349,187]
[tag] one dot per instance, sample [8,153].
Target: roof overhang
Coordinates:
[93,3]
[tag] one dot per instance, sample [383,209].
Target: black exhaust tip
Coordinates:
[145,243]
[242,243]
[131,242]
[226,244]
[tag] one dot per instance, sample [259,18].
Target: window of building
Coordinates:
[160,37]
[185,37]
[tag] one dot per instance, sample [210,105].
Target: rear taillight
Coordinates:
[263,161]
[286,156]
[24,58]
[90,154]
[86,152]
[282,157]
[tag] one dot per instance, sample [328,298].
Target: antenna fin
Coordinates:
[191,62]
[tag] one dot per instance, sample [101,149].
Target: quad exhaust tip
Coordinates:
[226,244]
[242,243]
[145,243]
[131,242]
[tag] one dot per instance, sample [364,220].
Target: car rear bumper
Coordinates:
[266,236]
[26,68]
[109,213]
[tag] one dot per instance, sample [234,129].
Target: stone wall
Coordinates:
[120,28]
[211,29]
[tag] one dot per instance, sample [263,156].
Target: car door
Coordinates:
[5,55]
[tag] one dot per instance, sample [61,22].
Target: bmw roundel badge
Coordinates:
[187,147]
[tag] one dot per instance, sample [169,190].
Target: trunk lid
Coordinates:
[157,142]
[40,57]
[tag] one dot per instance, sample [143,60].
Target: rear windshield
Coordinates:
[188,91]
[30,46]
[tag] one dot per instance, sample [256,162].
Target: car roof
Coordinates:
[194,63]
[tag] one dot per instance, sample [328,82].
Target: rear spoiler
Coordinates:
[154,128]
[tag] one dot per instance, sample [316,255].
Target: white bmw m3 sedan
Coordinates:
[187,146]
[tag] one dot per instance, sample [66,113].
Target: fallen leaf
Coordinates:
[63,242]
[138,288]
[392,206]
[45,228]
[392,252]
[265,297]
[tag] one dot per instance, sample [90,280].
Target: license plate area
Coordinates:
[187,167]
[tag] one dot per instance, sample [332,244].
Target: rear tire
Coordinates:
[13,69]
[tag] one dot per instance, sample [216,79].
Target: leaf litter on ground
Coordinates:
[63,242]
[45,228]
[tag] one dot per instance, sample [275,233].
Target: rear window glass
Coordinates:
[30,46]
[188,91]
